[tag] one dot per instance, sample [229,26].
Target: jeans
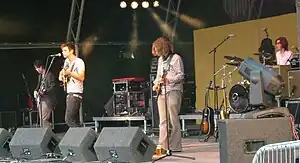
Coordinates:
[73,102]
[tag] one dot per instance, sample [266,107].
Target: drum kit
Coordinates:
[238,97]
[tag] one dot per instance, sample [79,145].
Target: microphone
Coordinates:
[55,55]
[231,35]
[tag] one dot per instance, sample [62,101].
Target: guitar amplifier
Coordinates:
[294,84]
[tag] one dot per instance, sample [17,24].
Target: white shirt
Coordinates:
[74,85]
[283,57]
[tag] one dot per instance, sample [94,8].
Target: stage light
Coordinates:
[123,4]
[134,5]
[265,84]
[145,4]
[155,4]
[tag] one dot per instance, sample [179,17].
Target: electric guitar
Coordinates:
[64,78]
[158,90]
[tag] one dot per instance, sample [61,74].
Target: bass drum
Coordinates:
[239,98]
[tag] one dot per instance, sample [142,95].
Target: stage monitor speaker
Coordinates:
[32,143]
[5,138]
[241,138]
[78,143]
[124,144]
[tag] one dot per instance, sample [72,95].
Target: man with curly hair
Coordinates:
[170,73]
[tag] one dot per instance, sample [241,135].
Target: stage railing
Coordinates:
[286,152]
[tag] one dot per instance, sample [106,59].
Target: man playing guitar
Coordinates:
[45,93]
[72,75]
[170,70]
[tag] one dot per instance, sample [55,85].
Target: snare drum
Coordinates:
[239,98]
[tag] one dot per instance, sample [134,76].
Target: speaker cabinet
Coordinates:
[124,144]
[32,143]
[77,144]
[241,138]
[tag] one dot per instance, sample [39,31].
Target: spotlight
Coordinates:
[145,4]
[123,4]
[134,5]
[155,4]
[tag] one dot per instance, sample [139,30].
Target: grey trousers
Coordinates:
[46,110]
[173,108]
[73,103]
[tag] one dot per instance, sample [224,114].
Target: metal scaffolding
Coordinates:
[243,10]
[75,22]
[172,19]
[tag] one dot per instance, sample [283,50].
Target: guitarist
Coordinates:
[45,93]
[73,74]
[170,70]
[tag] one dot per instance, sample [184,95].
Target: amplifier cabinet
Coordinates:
[294,84]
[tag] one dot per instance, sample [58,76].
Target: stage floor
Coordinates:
[204,152]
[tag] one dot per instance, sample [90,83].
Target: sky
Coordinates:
[36,21]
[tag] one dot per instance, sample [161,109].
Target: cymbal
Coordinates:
[229,57]
[233,64]
[233,58]
[264,54]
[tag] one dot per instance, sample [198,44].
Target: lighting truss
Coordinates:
[171,19]
[243,10]
[136,3]
[75,22]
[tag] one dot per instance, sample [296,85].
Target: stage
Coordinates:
[204,152]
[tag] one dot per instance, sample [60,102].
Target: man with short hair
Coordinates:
[45,93]
[72,74]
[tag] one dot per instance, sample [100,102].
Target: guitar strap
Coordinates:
[167,68]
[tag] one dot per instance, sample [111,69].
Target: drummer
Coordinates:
[283,54]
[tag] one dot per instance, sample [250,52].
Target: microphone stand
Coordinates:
[168,151]
[43,82]
[215,91]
